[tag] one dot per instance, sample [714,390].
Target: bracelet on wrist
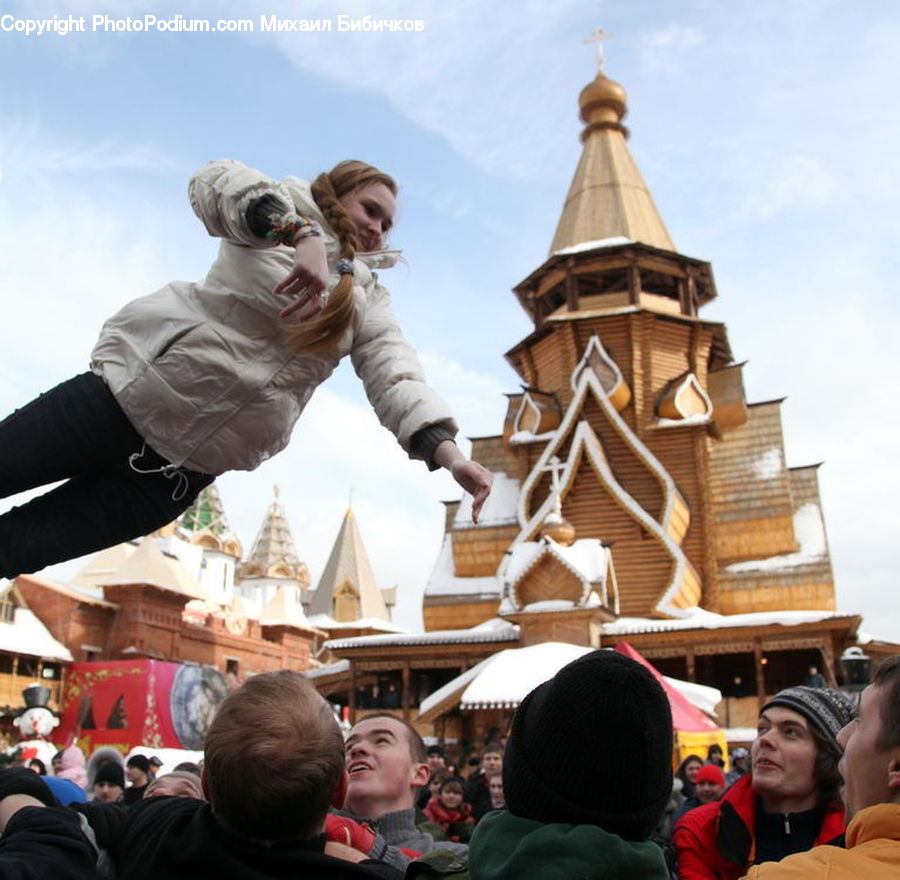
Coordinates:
[286,227]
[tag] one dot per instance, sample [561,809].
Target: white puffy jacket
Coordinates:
[205,371]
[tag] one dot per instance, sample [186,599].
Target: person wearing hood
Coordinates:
[72,766]
[586,776]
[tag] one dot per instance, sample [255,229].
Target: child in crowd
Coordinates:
[450,811]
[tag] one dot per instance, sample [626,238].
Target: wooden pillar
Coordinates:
[634,284]
[691,663]
[351,702]
[683,296]
[692,293]
[760,673]
[571,286]
[405,698]
[828,663]
[440,729]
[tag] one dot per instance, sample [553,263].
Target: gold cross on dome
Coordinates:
[598,35]
[556,467]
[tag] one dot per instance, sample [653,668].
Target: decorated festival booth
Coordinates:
[132,703]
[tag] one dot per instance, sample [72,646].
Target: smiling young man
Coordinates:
[386,767]
[786,804]
[870,769]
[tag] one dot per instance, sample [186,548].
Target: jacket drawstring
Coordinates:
[169,471]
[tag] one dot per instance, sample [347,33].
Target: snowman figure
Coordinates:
[36,723]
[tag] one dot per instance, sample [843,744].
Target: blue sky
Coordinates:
[766,131]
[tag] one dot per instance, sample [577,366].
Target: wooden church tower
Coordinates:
[632,428]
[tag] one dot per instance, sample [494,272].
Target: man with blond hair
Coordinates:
[870,768]
[274,762]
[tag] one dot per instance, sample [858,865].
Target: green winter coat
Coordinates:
[507,847]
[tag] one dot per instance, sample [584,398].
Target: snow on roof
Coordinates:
[149,565]
[27,635]
[499,509]
[698,618]
[453,685]
[522,437]
[324,621]
[702,696]
[505,678]
[170,758]
[515,672]
[696,419]
[444,581]
[495,630]
[809,530]
[91,597]
[769,464]
[740,734]
[328,669]
[586,558]
[614,241]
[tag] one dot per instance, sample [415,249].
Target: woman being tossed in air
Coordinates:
[205,377]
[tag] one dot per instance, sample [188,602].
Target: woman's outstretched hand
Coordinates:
[476,480]
[473,477]
[307,280]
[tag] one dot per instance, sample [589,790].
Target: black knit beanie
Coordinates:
[592,746]
[21,780]
[111,772]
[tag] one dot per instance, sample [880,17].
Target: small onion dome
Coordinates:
[602,101]
[559,529]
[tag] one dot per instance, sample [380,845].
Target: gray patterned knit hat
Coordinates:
[825,709]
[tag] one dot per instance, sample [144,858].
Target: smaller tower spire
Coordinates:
[273,553]
[347,589]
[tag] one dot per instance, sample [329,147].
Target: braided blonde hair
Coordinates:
[323,332]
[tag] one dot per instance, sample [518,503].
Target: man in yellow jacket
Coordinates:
[871,771]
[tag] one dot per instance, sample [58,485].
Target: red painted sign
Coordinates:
[130,703]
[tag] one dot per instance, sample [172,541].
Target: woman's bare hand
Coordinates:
[307,280]
[476,480]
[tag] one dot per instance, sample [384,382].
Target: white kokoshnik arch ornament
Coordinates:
[683,587]
[597,360]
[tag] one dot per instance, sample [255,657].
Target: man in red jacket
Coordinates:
[788,802]
[871,772]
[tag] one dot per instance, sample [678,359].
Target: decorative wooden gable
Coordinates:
[613,488]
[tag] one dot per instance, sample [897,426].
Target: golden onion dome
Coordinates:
[559,529]
[602,101]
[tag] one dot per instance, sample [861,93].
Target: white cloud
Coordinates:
[664,49]
[796,183]
[31,151]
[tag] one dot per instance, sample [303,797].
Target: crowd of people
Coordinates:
[582,787]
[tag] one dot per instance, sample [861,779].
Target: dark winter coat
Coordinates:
[478,794]
[45,842]
[507,847]
[178,839]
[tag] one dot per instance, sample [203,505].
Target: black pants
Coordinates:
[78,433]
